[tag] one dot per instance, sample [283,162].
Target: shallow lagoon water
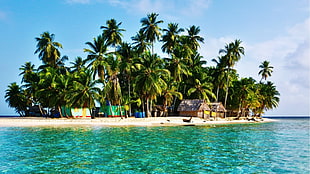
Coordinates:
[277,147]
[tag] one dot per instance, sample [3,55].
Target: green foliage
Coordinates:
[266,70]
[136,77]
[15,97]
[112,33]
[48,49]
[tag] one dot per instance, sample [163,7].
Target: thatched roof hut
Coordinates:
[193,107]
[217,107]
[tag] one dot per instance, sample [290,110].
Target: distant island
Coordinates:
[125,78]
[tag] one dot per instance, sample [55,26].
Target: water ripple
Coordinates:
[280,147]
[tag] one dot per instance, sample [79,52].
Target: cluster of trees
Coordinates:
[134,76]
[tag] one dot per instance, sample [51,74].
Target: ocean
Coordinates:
[278,147]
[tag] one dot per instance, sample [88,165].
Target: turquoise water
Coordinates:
[280,147]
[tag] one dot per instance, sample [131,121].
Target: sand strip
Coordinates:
[153,121]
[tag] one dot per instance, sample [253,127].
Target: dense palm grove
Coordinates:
[134,76]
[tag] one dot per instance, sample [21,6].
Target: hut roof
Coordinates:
[193,105]
[217,107]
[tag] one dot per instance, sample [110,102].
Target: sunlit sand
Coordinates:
[117,121]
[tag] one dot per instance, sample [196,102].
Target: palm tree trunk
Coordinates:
[151,108]
[152,48]
[120,111]
[110,107]
[217,93]
[147,107]
[175,98]
[20,114]
[239,110]
[59,110]
[227,81]
[143,109]
[129,96]
[41,110]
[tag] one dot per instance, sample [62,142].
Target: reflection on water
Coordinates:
[278,147]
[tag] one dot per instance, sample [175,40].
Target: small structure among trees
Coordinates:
[217,110]
[194,108]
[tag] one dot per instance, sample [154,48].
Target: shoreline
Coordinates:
[117,122]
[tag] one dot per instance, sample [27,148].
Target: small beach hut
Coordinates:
[193,107]
[217,109]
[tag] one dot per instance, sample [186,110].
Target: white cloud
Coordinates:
[210,49]
[140,6]
[147,6]
[290,56]
[169,9]
[194,8]
[172,9]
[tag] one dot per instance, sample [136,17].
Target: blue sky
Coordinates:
[273,30]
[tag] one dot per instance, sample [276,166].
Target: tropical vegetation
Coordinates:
[132,75]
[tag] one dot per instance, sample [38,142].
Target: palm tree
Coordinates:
[193,38]
[127,55]
[15,97]
[112,87]
[218,74]
[64,84]
[183,49]
[169,93]
[151,29]
[201,90]
[112,33]
[96,56]
[233,52]
[266,70]
[31,86]
[48,93]
[196,63]
[149,78]
[171,37]
[242,90]
[54,87]
[140,44]
[268,96]
[27,70]
[60,65]
[84,90]
[177,67]
[48,49]
[253,101]
[77,65]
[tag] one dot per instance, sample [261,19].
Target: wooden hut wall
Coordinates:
[220,114]
[189,113]
[200,114]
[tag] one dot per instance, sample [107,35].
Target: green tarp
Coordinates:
[113,111]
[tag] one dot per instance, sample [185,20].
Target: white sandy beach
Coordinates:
[117,121]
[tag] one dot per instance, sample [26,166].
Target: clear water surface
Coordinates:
[279,147]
